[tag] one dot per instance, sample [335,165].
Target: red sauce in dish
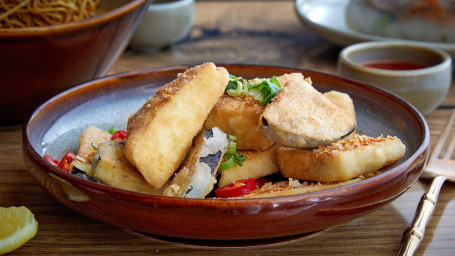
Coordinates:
[393,65]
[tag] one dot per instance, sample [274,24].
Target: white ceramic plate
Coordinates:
[326,19]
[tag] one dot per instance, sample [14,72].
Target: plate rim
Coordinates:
[125,194]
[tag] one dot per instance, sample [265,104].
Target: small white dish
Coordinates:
[326,18]
[165,22]
[419,74]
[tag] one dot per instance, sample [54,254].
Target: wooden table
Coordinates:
[256,32]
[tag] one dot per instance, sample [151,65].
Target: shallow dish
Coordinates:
[424,84]
[39,62]
[55,126]
[326,18]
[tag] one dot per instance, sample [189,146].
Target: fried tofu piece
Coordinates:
[340,161]
[257,164]
[90,136]
[285,78]
[294,187]
[240,116]
[161,131]
[299,116]
[198,175]
[111,167]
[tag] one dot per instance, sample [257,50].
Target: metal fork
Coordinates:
[440,167]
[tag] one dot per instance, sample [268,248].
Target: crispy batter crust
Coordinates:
[239,116]
[90,135]
[257,164]
[113,169]
[300,116]
[293,187]
[340,161]
[161,132]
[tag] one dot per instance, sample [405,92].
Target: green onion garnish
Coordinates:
[112,130]
[266,90]
[94,146]
[263,91]
[235,86]
[227,164]
[232,147]
[275,81]
[239,158]
[231,155]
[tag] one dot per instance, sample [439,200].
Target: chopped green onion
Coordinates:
[232,77]
[257,95]
[235,86]
[94,146]
[239,158]
[265,91]
[231,155]
[275,81]
[232,147]
[112,130]
[232,137]
[227,164]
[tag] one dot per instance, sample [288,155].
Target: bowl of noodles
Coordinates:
[47,46]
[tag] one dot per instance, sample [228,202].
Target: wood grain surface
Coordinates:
[256,32]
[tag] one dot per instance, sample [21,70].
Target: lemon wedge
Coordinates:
[17,226]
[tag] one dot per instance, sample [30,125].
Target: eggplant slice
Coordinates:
[197,177]
[301,117]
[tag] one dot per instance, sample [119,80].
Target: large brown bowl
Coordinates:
[37,63]
[55,126]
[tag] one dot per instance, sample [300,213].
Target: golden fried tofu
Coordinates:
[111,167]
[91,135]
[239,116]
[299,116]
[294,187]
[257,164]
[285,78]
[161,131]
[340,161]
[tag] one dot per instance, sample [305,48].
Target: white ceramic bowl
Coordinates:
[165,22]
[425,87]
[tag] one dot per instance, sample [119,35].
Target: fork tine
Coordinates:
[440,143]
[452,141]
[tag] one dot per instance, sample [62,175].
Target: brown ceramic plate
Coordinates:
[55,126]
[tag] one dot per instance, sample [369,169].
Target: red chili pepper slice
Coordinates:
[64,164]
[238,188]
[261,182]
[51,160]
[119,135]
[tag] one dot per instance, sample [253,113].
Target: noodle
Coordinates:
[38,13]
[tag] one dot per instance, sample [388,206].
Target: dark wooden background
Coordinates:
[252,32]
